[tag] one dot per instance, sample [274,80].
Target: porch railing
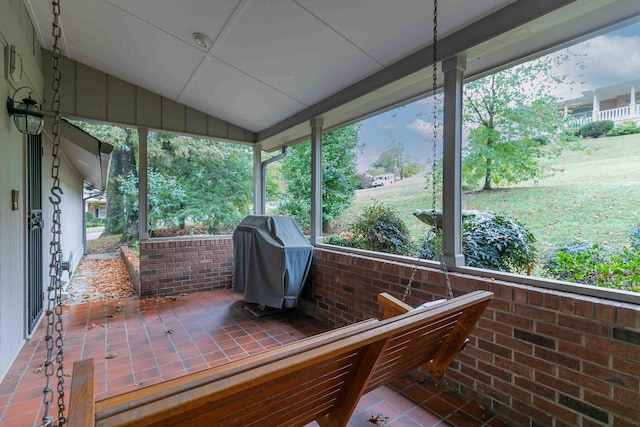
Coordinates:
[617,115]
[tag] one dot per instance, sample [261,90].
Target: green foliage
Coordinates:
[496,242]
[339,180]
[634,236]
[596,129]
[380,229]
[88,217]
[510,115]
[217,179]
[165,196]
[429,246]
[597,266]
[626,128]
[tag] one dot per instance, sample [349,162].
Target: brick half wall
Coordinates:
[185,265]
[538,357]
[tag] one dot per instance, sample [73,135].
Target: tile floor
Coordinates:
[137,342]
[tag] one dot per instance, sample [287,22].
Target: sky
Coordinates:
[589,67]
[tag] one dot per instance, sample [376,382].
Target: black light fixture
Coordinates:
[26,114]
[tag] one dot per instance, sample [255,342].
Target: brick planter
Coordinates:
[173,266]
[133,265]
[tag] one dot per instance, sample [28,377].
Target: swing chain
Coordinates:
[54,302]
[434,165]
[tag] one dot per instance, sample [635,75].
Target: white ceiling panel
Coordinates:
[182,18]
[389,30]
[129,48]
[315,63]
[222,91]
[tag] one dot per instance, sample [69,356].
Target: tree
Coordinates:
[394,160]
[508,114]
[339,176]
[216,176]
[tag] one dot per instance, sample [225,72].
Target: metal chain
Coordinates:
[54,304]
[434,87]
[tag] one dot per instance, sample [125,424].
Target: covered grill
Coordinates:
[271,260]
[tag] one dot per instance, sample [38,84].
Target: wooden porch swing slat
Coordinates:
[319,378]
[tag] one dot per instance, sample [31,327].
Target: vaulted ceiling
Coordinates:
[274,64]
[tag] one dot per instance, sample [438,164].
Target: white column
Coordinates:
[258,200]
[143,188]
[453,69]
[632,98]
[596,108]
[566,111]
[316,180]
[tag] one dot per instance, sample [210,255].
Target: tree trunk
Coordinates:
[487,174]
[130,232]
[119,208]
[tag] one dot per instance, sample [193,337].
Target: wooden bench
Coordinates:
[319,378]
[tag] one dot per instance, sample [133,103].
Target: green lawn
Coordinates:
[592,195]
[97,229]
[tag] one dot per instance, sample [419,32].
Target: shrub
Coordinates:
[496,242]
[598,266]
[380,229]
[626,128]
[551,262]
[634,236]
[88,216]
[428,247]
[596,129]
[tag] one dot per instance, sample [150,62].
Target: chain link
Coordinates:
[434,164]
[54,329]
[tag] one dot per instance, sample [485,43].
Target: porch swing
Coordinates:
[319,378]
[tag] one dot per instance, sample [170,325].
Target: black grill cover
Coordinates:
[271,260]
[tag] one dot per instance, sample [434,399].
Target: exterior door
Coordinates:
[35,292]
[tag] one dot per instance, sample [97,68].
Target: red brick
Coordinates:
[629,409]
[534,363]
[557,384]
[556,410]
[515,321]
[583,325]
[604,374]
[592,355]
[558,332]
[628,316]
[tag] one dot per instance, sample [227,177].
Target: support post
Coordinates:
[258,196]
[143,187]
[632,97]
[453,69]
[316,180]
[596,108]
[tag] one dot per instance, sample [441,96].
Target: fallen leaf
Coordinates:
[38,369]
[111,355]
[169,331]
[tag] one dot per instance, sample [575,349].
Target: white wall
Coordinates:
[15,29]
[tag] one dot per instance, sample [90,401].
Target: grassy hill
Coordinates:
[592,195]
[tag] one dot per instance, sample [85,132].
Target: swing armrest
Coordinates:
[392,306]
[82,400]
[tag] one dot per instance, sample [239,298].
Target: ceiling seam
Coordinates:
[339,33]
[214,45]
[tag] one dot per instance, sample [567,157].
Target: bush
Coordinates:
[598,266]
[596,129]
[88,217]
[496,242]
[634,236]
[428,247]
[551,262]
[380,229]
[626,128]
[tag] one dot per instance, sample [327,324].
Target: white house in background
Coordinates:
[619,103]
[25,175]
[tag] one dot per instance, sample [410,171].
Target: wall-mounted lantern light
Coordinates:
[26,114]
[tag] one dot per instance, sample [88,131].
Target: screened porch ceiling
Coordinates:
[275,64]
